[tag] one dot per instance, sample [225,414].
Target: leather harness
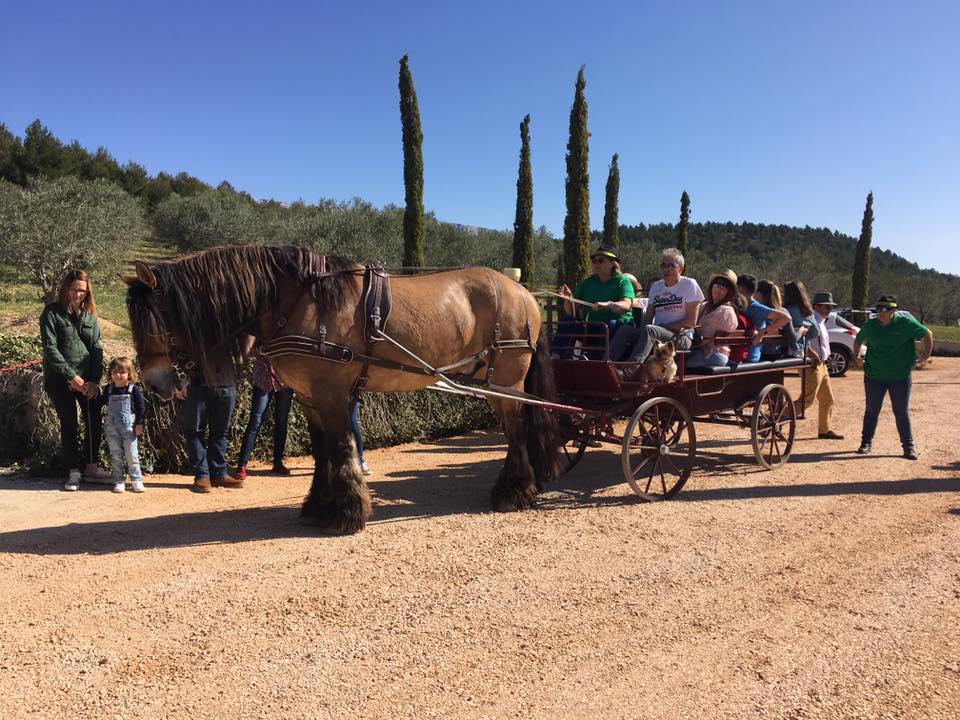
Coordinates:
[377,302]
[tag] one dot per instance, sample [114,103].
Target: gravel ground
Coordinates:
[828,589]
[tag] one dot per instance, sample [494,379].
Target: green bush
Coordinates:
[30,431]
[15,349]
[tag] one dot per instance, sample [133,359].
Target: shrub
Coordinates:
[30,431]
[56,225]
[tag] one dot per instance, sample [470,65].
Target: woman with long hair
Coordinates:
[796,301]
[72,368]
[718,315]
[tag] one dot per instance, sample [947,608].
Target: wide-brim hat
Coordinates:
[887,302]
[728,275]
[822,299]
[633,281]
[604,251]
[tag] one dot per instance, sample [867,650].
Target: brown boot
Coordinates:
[227,482]
[201,485]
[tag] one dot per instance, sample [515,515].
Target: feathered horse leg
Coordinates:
[339,501]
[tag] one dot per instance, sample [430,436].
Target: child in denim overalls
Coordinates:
[124,423]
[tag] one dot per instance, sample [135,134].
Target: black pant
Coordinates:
[66,402]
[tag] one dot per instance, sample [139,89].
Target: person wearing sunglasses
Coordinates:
[610,294]
[671,314]
[891,340]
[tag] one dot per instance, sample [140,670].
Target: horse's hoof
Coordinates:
[511,500]
[344,519]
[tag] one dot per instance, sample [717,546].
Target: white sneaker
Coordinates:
[119,487]
[364,468]
[73,482]
[138,486]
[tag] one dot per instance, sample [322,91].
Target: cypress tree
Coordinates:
[576,224]
[861,263]
[611,210]
[412,170]
[683,236]
[523,221]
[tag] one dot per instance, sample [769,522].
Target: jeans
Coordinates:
[65,402]
[698,359]
[900,400]
[259,401]
[634,344]
[121,439]
[355,424]
[208,408]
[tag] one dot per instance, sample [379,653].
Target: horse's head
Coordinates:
[162,356]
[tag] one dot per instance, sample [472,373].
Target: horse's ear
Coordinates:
[145,275]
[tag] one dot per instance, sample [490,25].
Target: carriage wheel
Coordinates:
[658,449]
[572,451]
[773,426]
[575,437]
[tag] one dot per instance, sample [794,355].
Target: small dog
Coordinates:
[660,364]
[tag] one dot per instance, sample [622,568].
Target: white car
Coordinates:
[842,334]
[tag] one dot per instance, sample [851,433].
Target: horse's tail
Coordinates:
[543,432]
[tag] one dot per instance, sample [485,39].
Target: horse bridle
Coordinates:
[180,362]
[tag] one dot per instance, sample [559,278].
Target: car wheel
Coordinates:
[838,361]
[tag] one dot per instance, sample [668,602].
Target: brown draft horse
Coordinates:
[201,310]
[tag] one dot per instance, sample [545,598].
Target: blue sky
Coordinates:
[763,111]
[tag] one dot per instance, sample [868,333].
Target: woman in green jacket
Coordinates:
[72,368]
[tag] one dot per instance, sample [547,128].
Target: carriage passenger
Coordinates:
[718,315]
[769,294]
[639,304]
[766,320]
[671,313]
[796,301]
[611,296]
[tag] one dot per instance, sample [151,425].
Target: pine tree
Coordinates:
[683,236]
[611,210]
[576,224]
[523,222]
[861,263]
[412,169]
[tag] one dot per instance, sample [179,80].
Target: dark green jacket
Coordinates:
[71,345]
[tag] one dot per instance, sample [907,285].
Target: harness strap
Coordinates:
[494,347]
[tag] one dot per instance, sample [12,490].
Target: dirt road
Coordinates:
[829,589]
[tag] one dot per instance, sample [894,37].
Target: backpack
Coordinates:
[738,353]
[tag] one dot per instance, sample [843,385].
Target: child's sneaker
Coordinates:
[240,473]
[119,487]
[364,468]
[73,482]
[138,486]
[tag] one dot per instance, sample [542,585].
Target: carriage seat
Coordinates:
[732,367]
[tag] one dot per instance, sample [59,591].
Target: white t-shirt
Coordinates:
[669,303]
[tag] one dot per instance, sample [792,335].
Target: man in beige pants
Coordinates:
[817,380]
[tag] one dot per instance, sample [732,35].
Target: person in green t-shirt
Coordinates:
[891,339]
[610,296]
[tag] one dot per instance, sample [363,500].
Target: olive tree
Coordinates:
[56,225]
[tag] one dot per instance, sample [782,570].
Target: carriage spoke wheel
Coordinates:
[571,451]
[773,426]
[658,449]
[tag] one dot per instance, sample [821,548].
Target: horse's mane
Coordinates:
[209,297]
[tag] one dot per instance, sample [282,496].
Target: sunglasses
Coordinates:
[885,309]
[668,265]
[599,259]
[722,283]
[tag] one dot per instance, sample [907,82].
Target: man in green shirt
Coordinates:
[610,296]
[891,339]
